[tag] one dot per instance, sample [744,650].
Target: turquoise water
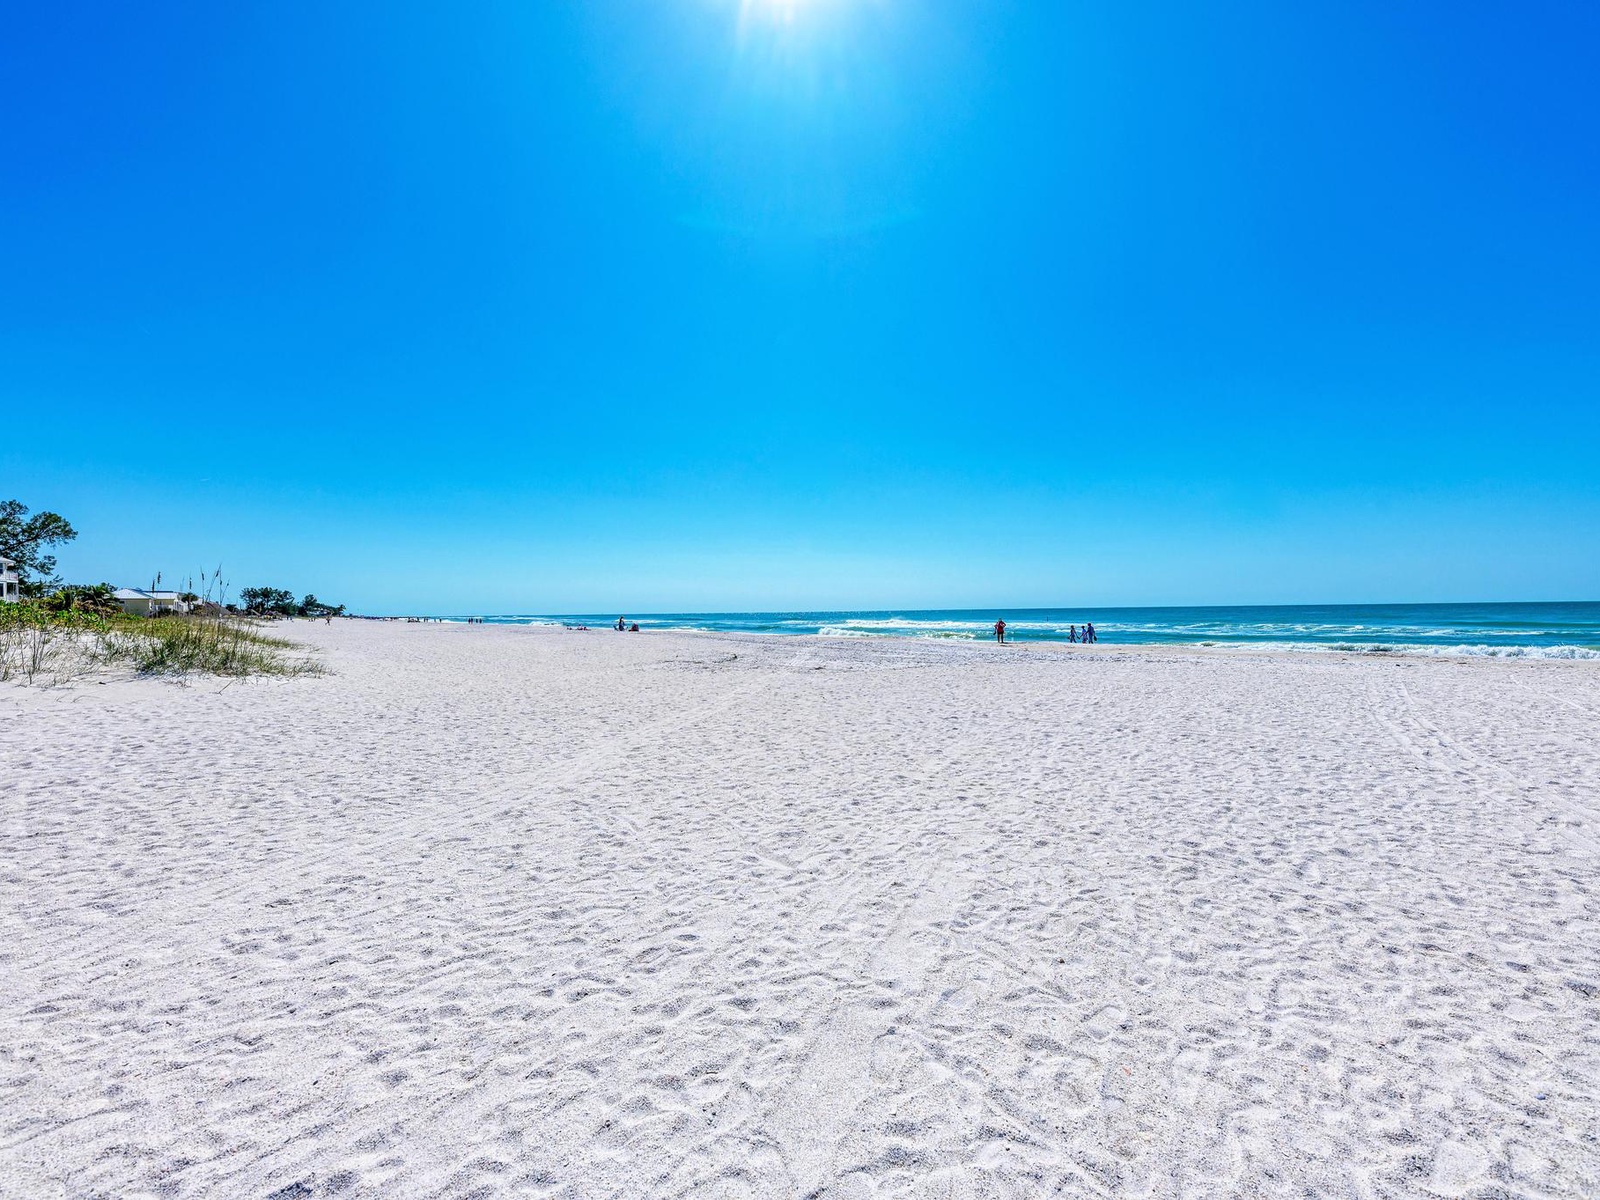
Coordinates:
[1544,630]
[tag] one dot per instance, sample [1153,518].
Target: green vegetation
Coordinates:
[312,607]
[280,602]
[97,598]
[24,540]
[57,632]
[267,601]
[43,641]
[203,644]
[36,643]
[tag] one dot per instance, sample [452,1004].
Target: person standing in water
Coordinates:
[1000,631]
[1089,635]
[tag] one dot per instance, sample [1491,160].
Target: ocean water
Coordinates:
[1542,630]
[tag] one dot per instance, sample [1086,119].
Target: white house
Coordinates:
[8,581]
[143,602]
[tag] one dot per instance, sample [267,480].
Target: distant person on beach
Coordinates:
[621,624]
[1089,635]
[1000,631]
[1073,635]
[634,628]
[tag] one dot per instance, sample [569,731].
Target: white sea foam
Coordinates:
[869,623]
[1260,635]
[1367,634]
[1414,649]
[1566,652]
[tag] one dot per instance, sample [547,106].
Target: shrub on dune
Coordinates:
[44,640]
[204,644]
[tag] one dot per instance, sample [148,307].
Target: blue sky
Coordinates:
[841,303]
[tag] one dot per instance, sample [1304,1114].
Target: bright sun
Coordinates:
[779,11]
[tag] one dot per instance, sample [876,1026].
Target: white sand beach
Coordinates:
[496,912]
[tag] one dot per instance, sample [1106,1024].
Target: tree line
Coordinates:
[280,602]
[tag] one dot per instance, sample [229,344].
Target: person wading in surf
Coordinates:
[1000,631]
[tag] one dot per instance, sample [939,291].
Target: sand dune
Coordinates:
[524,912]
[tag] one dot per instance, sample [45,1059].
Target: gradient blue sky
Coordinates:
[688,304]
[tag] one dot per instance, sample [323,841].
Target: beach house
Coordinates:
[144,602]
[9,583]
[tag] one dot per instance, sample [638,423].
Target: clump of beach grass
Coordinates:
[201,644]
[41,645]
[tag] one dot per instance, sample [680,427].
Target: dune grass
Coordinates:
[36,644]
[204,645]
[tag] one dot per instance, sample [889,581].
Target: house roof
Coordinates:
[7,562]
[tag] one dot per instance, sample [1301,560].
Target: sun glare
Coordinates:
[781,9]
[774,12]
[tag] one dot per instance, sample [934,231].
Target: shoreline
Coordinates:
[1412,651]
[1543,630]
